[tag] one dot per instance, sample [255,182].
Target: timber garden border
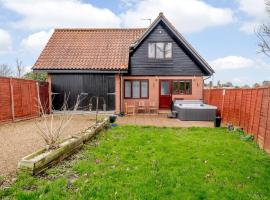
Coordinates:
[42,159]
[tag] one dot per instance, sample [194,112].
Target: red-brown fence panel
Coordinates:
[19,98]
[247,108]
[44,96]
[5,100]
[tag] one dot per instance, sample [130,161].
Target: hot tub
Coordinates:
[194,110]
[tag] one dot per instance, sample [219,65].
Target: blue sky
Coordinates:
[222,31]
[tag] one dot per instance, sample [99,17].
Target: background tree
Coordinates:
[5,70]
[38,76]
[20,69]
[266,83]
[256,85]
[263,34]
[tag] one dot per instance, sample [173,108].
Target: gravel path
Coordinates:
[21,138]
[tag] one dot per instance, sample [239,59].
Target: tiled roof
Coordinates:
[88,49]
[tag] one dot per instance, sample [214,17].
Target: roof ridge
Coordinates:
[97,29]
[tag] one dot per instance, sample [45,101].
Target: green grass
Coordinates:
[132,162]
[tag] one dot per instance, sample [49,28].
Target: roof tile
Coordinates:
[92,49]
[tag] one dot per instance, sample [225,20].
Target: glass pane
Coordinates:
[182,87]
[127,89]
[165,88]
[168,50]
[136,89]
[176,87]
[188,87]
[159,50]
[151,50]
[144,88]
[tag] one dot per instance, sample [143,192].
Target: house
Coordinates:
[155,65]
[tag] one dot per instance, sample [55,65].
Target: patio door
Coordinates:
[165,94]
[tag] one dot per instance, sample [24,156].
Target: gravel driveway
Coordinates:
[21,138]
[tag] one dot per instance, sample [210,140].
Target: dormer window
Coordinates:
[160,50]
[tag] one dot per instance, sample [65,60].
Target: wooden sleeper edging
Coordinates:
[43,159]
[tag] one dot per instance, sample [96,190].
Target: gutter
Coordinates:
[57,71]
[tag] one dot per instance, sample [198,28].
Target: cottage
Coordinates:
[150,66]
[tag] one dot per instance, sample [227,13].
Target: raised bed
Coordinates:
[93,130]
[43,158]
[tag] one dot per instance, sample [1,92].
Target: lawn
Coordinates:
[132,162]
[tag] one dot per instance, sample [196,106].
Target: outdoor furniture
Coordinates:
[141,107]
[130,109]
[153,107]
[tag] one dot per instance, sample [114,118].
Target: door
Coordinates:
[86,85]
[165,95]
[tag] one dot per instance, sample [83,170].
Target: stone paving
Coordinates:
[160,120]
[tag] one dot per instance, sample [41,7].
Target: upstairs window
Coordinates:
[160,50]
[182,87]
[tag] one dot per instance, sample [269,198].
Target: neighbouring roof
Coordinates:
[88,49]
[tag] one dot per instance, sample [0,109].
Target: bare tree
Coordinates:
[5,70]
[263,34]
[20,68]
[49,129]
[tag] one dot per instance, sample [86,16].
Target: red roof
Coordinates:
[92,49]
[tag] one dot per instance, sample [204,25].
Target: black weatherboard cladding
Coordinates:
[181,63]
[74,84]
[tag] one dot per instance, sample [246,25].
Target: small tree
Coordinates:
[5,70]
[48,129]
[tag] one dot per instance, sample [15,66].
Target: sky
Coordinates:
[222,31]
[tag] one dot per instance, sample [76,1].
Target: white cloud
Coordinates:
[187,16]
[256,10]
[232,62]
[36,41]
[46,14]
[5,41]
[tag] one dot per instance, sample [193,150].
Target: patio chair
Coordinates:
[153,107]
[141,107]
[130,109]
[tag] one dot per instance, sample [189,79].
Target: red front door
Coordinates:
[165,94]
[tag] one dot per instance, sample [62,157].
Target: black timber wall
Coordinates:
[73,85]
[181,63]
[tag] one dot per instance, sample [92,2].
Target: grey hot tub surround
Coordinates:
[194,110]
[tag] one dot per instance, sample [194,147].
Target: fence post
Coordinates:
[12,99]
[249,113]
[255,106]
[38,98]
[240,108]
[257,135]
[30,100]
[234,119]
[266,126]
[222,103]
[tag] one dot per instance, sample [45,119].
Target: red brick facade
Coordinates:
[154,89]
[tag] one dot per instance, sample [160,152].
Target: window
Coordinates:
[182,87]
[151,50]
[144,89]
[128,89]
[160,50]
[136,89]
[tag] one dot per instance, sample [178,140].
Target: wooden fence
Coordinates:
[18,98]
[247,108]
